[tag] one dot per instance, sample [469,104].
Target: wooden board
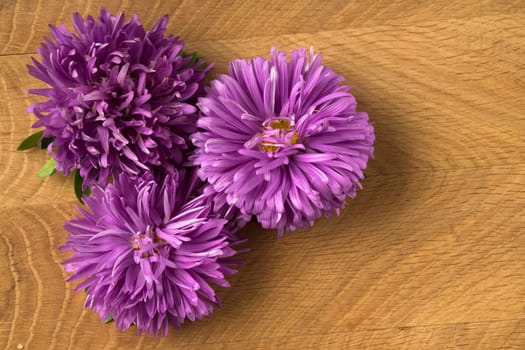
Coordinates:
[430,255]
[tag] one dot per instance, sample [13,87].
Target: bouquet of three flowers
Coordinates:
[170,170]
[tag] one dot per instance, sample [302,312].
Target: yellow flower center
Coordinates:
[278,133]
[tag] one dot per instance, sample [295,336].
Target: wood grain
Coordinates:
[23,23]
[431,253]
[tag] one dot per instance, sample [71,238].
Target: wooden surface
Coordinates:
[430,255]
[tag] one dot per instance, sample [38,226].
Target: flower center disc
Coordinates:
[278,133]
[146,244]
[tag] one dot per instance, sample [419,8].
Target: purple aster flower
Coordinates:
[282,139]
[120,97]
[147,251]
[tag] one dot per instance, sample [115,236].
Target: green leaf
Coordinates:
[46,141]
[48,169]
[77,182]
[30,141]
[108,319]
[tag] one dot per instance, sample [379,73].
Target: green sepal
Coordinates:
[77,182]
[46,141]
[195,58]
[108,319]
[31,141]
[48,169]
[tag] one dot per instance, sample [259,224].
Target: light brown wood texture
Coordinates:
[430,255]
